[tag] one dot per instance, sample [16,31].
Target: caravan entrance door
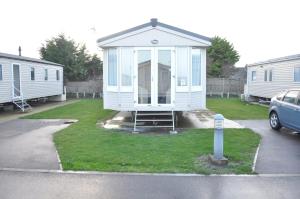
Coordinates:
[16,81]
[154,76]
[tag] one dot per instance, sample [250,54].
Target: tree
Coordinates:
[94,67]
[75,58]
[221,57]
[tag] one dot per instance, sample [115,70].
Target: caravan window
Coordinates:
[126,66]
[253,75]
[1,77]
[291,97]
[182,67]
[196,67]
[112,67]
[297,74]
[57,75]
[266,75]
[46,74]
[270,75]
[32,73]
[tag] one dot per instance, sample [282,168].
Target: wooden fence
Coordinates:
[224,87]
[85,89]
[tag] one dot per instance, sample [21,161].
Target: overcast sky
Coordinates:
[259,29]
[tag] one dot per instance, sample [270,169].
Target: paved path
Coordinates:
[12,115]
[279,151]
[38,185]
[28,144]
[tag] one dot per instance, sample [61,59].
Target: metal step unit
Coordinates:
[154,119]
[22,104]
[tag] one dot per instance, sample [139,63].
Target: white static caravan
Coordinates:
[154,67]
[23,78]
[267,78]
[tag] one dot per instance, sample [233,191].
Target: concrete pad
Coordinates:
[205,119]
[195,119]
[123,121]
[28,144]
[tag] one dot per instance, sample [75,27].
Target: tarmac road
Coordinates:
[279,151]
[25,185]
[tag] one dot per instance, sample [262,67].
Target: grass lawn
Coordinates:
[83,146]
[235,109]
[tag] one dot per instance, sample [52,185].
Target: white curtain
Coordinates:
[196,67]
[297,74]
[112,67]
[126,66]
[1,72]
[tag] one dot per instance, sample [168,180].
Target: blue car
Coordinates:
[285,110]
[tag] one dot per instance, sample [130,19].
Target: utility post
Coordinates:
[218,157]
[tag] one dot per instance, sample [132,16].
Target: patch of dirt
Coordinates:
[203,165]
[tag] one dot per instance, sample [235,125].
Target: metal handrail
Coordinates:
[19,97]
[21,94]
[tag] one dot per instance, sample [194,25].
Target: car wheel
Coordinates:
[274,121]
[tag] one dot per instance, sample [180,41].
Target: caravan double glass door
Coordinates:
[154,76]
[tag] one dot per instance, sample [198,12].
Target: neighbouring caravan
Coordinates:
[24,78]
[154,67]
[267,78]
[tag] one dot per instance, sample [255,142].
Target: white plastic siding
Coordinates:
[5,83]
[111,100]
[283,78]
[31,88]
[197,101]
[143,39]
[123,101]
[183,100]
[41,87]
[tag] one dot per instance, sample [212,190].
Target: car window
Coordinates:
[280,96]
[291,97]
[298,103]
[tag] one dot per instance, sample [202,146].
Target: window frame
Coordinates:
[195,88]
[294,74]
[32,75]
[173,79]
[46,74]
[1,72]
[113,88]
